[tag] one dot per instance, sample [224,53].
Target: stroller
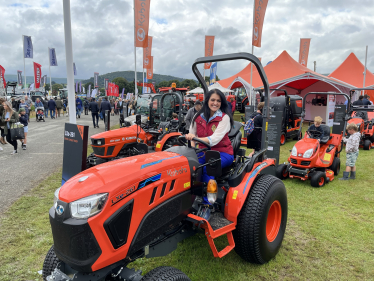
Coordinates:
[39,114]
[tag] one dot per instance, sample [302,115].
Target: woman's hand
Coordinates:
[190,137]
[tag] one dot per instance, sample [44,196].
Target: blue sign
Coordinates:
[213,73]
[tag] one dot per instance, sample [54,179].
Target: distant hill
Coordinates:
[130,76]
[30,79]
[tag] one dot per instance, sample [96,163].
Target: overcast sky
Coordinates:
[103,33]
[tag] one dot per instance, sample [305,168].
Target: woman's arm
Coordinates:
[13,118]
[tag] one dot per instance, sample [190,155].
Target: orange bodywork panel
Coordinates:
[160,144]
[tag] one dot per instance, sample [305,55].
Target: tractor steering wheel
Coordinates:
[182,140]
[314,133]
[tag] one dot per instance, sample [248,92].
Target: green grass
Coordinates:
[329,235]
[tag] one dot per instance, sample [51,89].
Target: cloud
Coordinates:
[102,33]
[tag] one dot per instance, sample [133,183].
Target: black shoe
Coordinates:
[97,126]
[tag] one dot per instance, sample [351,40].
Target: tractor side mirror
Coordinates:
[213,159]
[138,119]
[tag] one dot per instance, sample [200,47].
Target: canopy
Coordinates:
[197,90]
[219,87]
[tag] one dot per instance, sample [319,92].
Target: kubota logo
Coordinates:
[149,74]
[175,172]
[146,61]
[140,34]
[255,33]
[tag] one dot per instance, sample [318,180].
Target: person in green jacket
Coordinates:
[59,106]
[10,117]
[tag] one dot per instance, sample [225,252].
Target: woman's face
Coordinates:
[214,102]
[5,106]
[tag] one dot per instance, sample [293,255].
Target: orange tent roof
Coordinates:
[282,68]
[351,71]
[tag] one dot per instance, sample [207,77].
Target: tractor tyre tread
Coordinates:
[335,166]
[314,179]
[50,263]
[249,243]
[279,171]
[367,144]
[165,273]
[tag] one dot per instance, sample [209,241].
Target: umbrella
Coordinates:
[219,87]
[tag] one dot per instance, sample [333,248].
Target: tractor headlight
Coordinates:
[308,153]
[88,206]
[212,191]
[294,151]
[56,198]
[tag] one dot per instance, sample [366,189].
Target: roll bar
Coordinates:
[359,89]
[256,62]
[280,90]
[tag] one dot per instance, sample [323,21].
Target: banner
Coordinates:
[258,21]
[75,69]
[52,57]
[150,69]
[123,93]
[80,87]
[19,77]
[209,45]
[94,92]
[2,79]
[213,73]
[27,47]
[42,81]
[330,110]
[106,83]
[37,75]
[89,90]
[76,87]
[113,90]
[96,79]
[147,52]
[304,51]
[141,22]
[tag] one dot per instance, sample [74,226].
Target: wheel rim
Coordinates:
[273,221]
[285,173]
[321,181]
[283,139]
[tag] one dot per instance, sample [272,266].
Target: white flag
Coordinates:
[93,94]
[27,47]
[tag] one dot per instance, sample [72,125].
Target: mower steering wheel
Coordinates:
[182,140]
[314,133]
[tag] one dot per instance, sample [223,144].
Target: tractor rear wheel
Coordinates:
[335,167]
[281,172]
[262,221]
[50,263]
[283,138]
[299,136]
[165,273]
[367,144]
[318,179]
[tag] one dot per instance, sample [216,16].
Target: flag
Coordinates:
[42,81]
[37,75]
[259,10]
[2,78]
[80,86]
[52,57]
[19,77]
[96,79]
[150,69]
[113,90]
[304,51]
[94,92]
[106,83]
[89,90]
[141,22]
[209,45]
[27,47]
[123,93]
[76,87]
[32,87]
[147,52]
[213,73]
[75,69]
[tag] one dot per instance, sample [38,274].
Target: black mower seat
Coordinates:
[235,129]
[326,134]
[235,136]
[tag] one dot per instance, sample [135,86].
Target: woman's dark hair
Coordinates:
[206,110]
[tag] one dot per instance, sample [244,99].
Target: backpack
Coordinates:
[250,125]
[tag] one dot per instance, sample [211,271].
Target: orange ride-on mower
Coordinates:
[106,217]
[363,117]
[313,157]
[158,133]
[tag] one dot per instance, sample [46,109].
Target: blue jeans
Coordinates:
[226,160]
[78,112]
[46,112]
[52,113]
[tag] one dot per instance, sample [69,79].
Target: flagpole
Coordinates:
[50,77]
[143,77]
[366,58]
[135,83]
[24,63]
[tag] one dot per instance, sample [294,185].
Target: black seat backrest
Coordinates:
[362,114]
[163,125]
[236,141]
[235,129]
[326,133]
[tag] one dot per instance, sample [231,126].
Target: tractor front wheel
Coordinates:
[367,144]
[50,263]
[281,172]
[318,179]
[165,273]
[262,221]
[283,138]
[335,167]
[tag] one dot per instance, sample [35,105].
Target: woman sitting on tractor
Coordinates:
[212,125]
[317,126]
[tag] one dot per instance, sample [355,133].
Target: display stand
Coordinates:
[339,119]
[274,134]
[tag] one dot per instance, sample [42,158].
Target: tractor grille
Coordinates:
[293,161]
[99,151]
[305,163]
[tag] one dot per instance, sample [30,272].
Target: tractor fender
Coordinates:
[237,196]
[160,144]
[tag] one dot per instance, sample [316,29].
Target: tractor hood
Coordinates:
[118,134]
[115,176]
[355,120]
[304,145]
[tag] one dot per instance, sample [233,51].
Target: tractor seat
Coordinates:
[235,136]
[362,114]
[326,134]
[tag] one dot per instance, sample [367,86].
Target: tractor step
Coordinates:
[217,221]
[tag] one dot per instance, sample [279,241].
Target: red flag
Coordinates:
[113,90]
[2,78]
[150,68]
[141,22]
[147,52]
[304,51]
[37,74]
[258,21]
[209,45]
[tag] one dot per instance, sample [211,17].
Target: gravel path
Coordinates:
[20,172]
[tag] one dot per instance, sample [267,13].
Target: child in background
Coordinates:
[351,148]
[23,119]
[175,116]
[317,126]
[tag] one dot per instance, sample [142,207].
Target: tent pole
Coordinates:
[366,58]
[250,102]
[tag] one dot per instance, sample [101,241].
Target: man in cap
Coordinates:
[190,114]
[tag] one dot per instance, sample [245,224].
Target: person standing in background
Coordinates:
[94,107]
[59,106]
[78,103]
[45,104]
[23,120]
[2,124]
[29,104]
[10,117]
[52,108]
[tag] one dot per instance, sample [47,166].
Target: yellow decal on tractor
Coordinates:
[187,184]
[327,157]
[266,129]
[158,145]
[235,194]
